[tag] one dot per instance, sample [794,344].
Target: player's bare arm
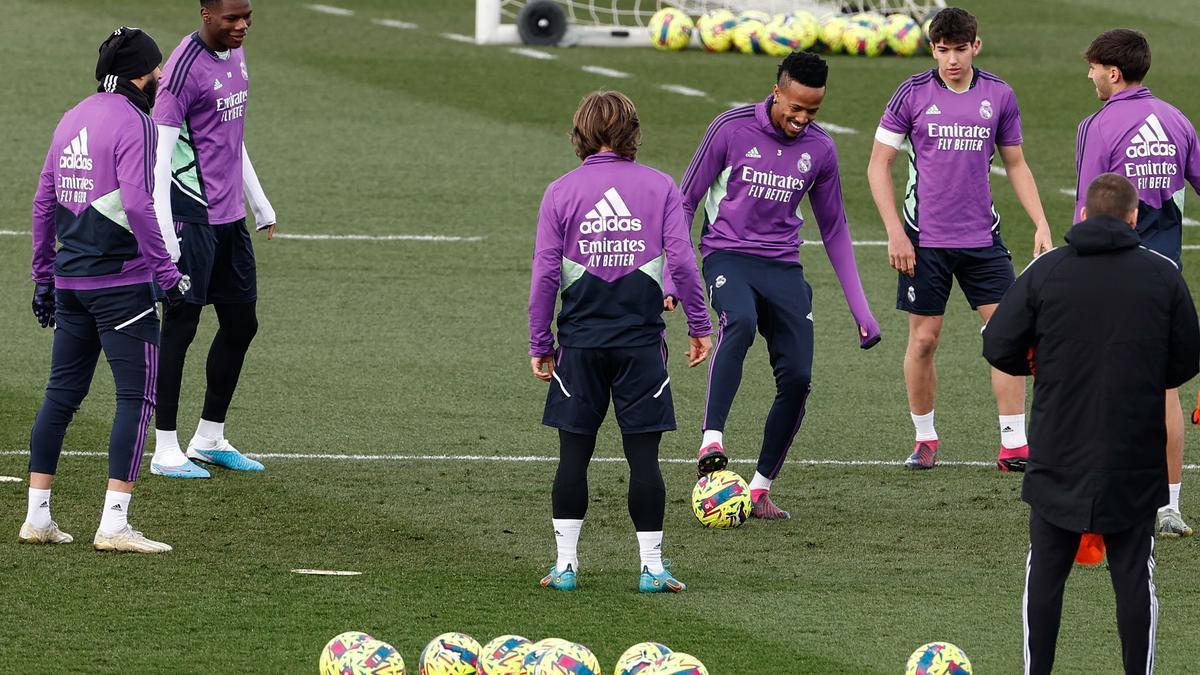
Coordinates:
[901,255]
[1021,177]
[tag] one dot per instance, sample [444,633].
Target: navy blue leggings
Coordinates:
[750,294]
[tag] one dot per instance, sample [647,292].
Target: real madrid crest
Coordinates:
[804,163]
[985,109]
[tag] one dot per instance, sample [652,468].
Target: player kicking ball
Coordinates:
[754,166]
[606,233]
[954,118]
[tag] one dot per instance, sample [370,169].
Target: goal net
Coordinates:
[622,22]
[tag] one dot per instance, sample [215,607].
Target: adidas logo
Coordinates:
[610,215]
[933,110]
[753,153]
[217,85]
[1151,141]
[44,505]
[809,317]
[75,155]
[1006,430]
[116,507]
[557,533]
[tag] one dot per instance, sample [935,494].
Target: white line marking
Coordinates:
[336,11]
[682,90]
[1189,222]
[9,479]
[836,128]
[998,171]
[1066,191]
[459,37]
[328,573]
[535,459]
[738,104]
[331,237]
[868,242]
[532,53]
[607,72]
[393,23]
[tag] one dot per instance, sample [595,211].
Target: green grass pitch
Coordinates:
[417,348]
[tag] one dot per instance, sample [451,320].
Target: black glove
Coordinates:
[174,296]
[43,304]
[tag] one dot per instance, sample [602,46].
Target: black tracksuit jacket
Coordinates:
[1106,327]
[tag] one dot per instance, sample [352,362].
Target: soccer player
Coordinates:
[754,166]
[1153,145]
[954,118]
[98,288]
[604,232]
[202,173]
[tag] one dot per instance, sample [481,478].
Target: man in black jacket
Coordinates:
[1106,327]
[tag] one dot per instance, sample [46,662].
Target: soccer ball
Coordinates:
[721,500]
[330,662]
[567,659]
[779,36]
[670,29]
[639,657]
[807,29]
[868,19]
[832,27]
[372,658]
[716,30]
[677,663]
[450,654]
[537,649]
[903,35]
[754,15]
[938,658]
[863,39]
[749,35]
[504,656]
[925,32]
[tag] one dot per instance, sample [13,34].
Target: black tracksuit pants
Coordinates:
[1131,565]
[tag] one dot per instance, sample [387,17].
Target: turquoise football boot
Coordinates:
[561,581]
[662,582]
[223,455]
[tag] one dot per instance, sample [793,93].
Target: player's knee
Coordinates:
[180,323]
[738,329]
[793,378]
[62,403]
[240,328]
[923,344]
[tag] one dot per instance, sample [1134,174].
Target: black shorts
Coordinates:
[984,274]
[129,310]
[634,377]
[220,261]
[1168,242]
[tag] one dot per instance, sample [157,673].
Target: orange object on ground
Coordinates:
[1091,549]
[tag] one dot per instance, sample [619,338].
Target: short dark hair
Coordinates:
[606,118]
[209,4]
[1111,194]
[806,68]
[1124,49]
[954,26]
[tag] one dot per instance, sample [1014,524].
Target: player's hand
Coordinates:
[901,255]
[669,302]
[869,334]
[271,231]
[1042,240]
[43,304]
[174,296]
[698,349]
[543,367]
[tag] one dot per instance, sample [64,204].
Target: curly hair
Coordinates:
[606,119]
[806,68]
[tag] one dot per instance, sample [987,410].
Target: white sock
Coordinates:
[711,437]
[566,535]
[924,425]
[115,516]
[650,545]
[166,449]
[210,433]
[38,512]
[1012,431]
[759,482]
[1173,504]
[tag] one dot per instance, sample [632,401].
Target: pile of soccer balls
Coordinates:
[354,653]
[754,32]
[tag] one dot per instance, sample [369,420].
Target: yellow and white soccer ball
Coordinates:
[670,29]
[863,39]
[832,28]
[938,658]
[504,655]
[450,654]
[925,32]
[779,36]
[721,500]
[868,19]
[336,649]
[716,29]
[537,650]
[807,29]
[639,657]
[372,658]
[749,34]
[567,659]
[903,35]
[677,663]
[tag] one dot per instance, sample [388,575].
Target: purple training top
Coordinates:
[205,94]
[95,197]
[750,178]
[603,232]
[953,137]
[1149,142]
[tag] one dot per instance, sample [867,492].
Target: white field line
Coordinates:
[682,90]
[532,53]
[336,11]
[836,128]
[393,23]
[333,237]
[459,37]
[1067,191]
[606,72]
[1190,222]
[534,459]
[998,171]
[867,242]
[738,104]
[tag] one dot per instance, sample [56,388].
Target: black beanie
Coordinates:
[128,53]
